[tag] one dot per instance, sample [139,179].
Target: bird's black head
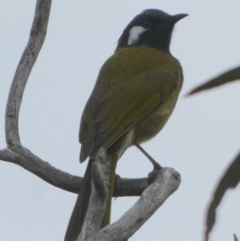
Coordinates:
[152,28]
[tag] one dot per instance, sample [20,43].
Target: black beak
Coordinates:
[175,18]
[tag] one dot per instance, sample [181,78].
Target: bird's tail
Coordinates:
[80,208]
[81,205]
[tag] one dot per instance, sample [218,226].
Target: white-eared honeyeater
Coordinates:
[135,93]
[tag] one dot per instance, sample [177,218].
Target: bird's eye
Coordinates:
[146,25]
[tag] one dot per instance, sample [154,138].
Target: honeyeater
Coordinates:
[135,93]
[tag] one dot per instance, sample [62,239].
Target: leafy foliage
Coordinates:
[229,180]
[232,175]
[224,78]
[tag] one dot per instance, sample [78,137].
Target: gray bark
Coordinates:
[167,180]
[29,56]
[32,163]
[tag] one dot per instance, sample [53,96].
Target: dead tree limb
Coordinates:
[29,56]
[66,181]
[167,181]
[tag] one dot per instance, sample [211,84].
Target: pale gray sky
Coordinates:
[198,141]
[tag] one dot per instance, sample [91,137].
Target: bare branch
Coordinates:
[42,169]
[30,54]
[100,174]
[166,182]
[63,180]
[99,196]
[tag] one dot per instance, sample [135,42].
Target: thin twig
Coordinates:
[29,56]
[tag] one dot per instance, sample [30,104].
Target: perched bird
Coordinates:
[135,93]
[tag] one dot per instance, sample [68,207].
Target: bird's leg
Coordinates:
[156,165]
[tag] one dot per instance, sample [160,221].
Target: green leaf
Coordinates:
[224,78]
[230,179]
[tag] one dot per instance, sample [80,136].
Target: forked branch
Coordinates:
[166,182]
[18,154]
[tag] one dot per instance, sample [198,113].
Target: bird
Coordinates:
[135,93]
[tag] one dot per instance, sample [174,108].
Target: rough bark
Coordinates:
[166,182]
[63,180]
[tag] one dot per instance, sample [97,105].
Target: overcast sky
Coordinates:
[199,140]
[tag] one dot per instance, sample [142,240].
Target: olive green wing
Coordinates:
[114,108]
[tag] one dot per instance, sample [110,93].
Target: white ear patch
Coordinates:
[134,34]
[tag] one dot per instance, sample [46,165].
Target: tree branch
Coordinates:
[42,169]
[63,180]
[166,182]
[29,56]
[99,196]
